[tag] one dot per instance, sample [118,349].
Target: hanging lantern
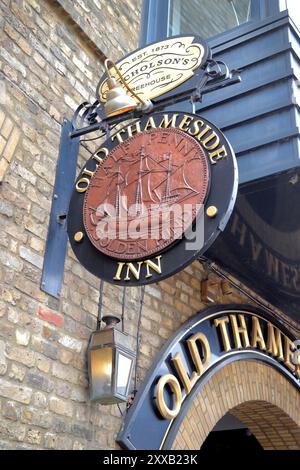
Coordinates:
[110,363]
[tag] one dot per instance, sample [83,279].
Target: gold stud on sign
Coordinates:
[211,211]
[78,236]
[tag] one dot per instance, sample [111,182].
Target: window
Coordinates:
[207,18]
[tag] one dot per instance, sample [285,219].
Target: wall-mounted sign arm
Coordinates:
[56,244]
[204,82]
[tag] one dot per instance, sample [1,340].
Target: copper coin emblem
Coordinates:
[146,194]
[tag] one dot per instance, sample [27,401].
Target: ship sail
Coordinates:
[174,186]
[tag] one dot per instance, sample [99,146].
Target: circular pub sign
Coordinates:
[152,198]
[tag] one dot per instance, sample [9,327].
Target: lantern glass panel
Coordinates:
[124,364]
[101,371]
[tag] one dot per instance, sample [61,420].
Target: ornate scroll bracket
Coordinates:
[214,75]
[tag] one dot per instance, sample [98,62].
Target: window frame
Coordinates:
[156,14]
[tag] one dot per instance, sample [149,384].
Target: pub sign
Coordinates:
[156,194]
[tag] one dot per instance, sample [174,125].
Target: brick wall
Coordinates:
[111,26]
[50,61]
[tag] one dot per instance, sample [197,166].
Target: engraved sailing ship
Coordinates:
[159,182]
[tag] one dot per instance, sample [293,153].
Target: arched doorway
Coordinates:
[227,359]
[230,434]
[254,393]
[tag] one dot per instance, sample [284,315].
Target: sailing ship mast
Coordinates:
[138,191]
[167,196]
[118,192]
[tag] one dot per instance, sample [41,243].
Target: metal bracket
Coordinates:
[216,75]
[56,245]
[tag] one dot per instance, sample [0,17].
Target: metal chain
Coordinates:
[99,317]
[123,307]
[138,336]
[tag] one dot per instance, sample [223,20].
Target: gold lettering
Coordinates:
[150,264]
[82,181]
[221,322]
[163,408]
[201,356]
[150,124]
[117,276]
[156,267]
[187,382]
[289,347]
[118,136]
[194,351]
[166,122]
[196,127]
[217,155]
[96,156]
[274,343]
[135,271]
[185,122]
[239,331]
[98,159]
[215,144]
[257,336]
[88,172]
[134,128]
[203,132]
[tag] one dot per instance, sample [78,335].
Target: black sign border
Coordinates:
[222,194]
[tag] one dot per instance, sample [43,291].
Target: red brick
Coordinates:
[50,317]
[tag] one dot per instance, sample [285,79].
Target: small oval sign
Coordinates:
[160,67]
